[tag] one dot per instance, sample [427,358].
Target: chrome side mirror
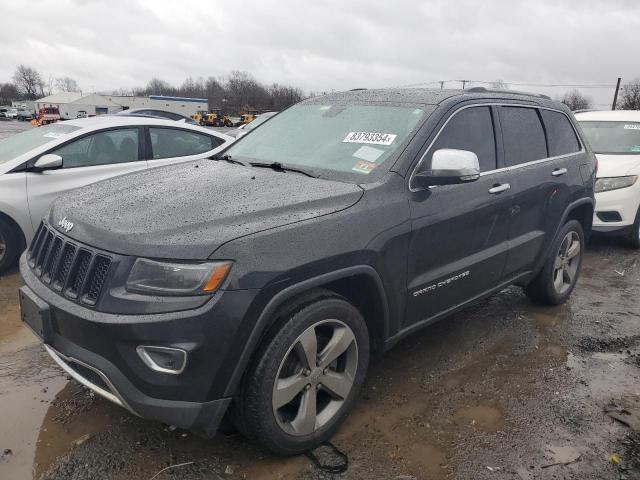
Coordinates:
[449,167]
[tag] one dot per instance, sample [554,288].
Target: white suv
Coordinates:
[615,139]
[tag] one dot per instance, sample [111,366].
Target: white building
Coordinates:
[75,104]
[182,105]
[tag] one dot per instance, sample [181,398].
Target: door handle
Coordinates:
[559,171]
[503,187]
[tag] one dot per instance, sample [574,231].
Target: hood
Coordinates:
[187,211]
[618,165]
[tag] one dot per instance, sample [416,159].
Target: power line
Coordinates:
[441,83]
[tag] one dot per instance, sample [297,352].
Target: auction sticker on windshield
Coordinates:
[373,138]
[363,166]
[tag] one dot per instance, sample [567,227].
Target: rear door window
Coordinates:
[560,133]
[471,129]
[103,148]
[523,136]
[174,142]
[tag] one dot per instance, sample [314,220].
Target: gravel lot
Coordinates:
[503,390]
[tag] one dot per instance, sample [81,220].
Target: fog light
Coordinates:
[163,359]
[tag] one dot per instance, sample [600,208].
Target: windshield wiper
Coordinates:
[277,166]
[230,159]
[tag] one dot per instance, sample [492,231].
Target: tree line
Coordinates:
[237,92]
[628,98]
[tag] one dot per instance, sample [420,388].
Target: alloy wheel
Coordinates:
[315,377]
[567,262]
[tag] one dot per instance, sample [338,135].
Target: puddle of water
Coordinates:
[23,407]
[606,372]
[13,335]
[563,454]
[482,417]
[275,469]
[69,422]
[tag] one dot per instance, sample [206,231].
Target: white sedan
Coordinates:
[615,139]
[41,163]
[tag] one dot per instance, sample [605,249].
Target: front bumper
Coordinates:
[624,201]
[99,350]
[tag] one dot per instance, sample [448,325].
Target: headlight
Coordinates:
[614,183]
[166,278]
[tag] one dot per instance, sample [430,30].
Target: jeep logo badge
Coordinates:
[65,225]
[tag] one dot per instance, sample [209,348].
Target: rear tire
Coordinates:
[10,244]
[557,279]
[306,375]
[633,240]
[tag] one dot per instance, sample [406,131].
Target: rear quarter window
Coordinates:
[560,133]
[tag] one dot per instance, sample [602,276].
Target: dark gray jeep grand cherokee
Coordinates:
[259,282]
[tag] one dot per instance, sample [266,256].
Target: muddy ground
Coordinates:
[503,390]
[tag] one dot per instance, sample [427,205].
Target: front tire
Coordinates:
[634,236]
[10,245]
[306,376]
[557,279]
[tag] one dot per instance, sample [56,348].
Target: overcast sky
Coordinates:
[322,45]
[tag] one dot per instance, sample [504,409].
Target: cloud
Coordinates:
[325,44]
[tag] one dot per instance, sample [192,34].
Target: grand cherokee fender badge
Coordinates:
[65,225]
[440,284]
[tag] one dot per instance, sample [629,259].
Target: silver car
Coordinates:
[38,165]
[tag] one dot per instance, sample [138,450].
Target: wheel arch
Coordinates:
[16,225]
[361,285]
[580,210]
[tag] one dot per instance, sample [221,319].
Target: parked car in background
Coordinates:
[11,113]
[152,112]
[615,138]
[265,279]
[247,127]
[38,165]
[23,115]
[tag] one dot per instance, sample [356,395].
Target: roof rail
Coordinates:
[357,89]
[512,92]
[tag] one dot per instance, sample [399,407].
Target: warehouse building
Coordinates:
[75,104]
[182,105]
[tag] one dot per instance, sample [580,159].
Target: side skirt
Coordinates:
[389,343]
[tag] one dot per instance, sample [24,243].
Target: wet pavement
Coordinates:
[504,390]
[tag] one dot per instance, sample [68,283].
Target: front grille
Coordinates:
[77,272]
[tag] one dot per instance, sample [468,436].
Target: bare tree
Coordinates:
[8,93]
[499,85]
[67,84]
[576,100]
[630,96]
[47,86]
[238,92]
[28,81]
[159,87]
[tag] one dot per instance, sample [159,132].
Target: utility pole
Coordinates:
[441,84]
[615,95]
[464,82]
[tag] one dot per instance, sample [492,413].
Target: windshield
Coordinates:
[352,140]
[613,137]
[258,120]
[21,143]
